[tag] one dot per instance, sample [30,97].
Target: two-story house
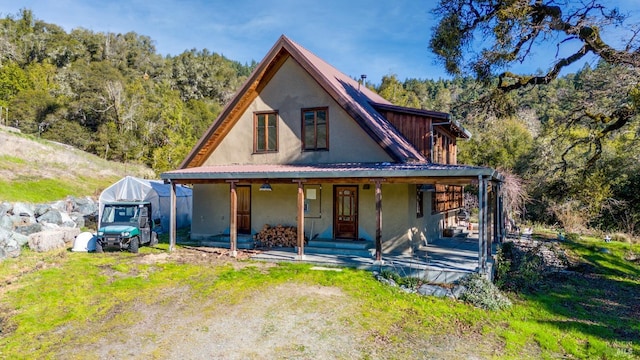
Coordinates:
[303,144]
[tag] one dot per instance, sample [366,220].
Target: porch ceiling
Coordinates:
[415,173]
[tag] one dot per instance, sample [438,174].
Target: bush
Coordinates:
[517,270]
[408,282]
[482,293]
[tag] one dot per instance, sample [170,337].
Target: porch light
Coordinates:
[265,187]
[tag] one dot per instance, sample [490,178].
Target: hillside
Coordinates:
[34,169]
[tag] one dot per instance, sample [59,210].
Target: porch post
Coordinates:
[378,183]
[233,219]
[300,221]
[481,227]
[501,215]
[172,217]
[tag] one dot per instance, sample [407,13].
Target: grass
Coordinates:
[53,301]
[47,190]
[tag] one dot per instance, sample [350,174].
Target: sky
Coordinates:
[371,37]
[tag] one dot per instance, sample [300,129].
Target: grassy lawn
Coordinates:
[51,303]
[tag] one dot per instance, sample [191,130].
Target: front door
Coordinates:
[345,212]
[244,209]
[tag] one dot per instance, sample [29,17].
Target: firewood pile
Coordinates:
[277,236]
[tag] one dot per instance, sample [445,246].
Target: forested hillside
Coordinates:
[114,96]
[538,135]
[110,94]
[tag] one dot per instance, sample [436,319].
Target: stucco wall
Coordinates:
[402,229]
[289,91]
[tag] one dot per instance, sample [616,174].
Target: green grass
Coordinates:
[47,190]
[60,299]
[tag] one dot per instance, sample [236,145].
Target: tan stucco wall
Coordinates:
[289,91]
[402,230]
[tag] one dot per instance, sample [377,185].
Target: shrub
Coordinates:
[518,270]
[408,282]
[482,293]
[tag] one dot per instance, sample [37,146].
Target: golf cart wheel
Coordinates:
[134,244]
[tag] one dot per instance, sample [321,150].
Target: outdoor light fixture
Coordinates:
[265,187]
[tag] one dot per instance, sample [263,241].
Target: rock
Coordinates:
[10,247]
[78,219]
[23,209]
[85,206]
[434,290]
[5,208]
[67,221]
[51,216]
[458,290]
[21,239]
[52,239]
[28,229]
[6,222]
[41,209]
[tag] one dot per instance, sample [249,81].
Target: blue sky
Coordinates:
[369,37]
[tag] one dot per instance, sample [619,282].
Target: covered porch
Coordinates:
[440,259]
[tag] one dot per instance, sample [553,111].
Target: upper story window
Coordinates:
[442,148]
[315,129]
[265,132]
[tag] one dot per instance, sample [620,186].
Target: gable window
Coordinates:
[265,132]
[315,129]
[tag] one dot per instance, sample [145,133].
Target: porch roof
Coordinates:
[399,172]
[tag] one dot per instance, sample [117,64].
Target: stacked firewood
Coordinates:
[277,236]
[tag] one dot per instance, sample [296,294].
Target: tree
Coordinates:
[511,32]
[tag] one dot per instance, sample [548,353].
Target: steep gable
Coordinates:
[356,100]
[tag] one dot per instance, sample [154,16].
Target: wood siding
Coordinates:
[417,130]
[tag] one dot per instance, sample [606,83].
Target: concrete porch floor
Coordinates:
[444,260]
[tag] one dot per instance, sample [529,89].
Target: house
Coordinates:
[341,163]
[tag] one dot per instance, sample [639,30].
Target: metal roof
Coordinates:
[329,171]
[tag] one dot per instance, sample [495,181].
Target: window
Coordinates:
[315,129]
[265,132]
[419,202]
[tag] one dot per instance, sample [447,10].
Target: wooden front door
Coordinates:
[244,209]
[345,212]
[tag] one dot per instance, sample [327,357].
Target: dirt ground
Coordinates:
[288,321]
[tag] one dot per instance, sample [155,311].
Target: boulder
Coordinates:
[51,216]
[9,247]
[67,221]
[52,239]
[23,210]
[5,208]
[28,229]
[41,209]
[85,206]
[78,219]
[6,221]
[21,239]
[434,290]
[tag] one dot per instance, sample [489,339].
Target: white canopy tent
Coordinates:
[132,189]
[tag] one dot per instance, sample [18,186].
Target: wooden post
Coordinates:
[378,183]
[233,219]
[172,217]
[481,231]
[300,220]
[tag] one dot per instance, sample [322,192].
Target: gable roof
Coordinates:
[358,101]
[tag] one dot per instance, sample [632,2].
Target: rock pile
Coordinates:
[43,227]
[554,257]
